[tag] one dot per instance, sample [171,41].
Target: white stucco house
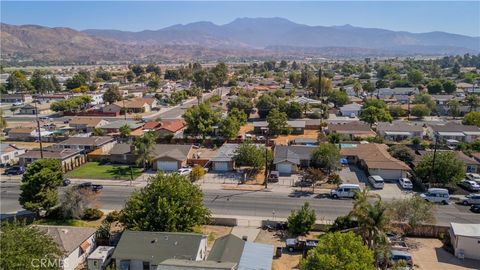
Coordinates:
[465,239]
[351,110]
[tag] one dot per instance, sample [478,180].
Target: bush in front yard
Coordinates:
[92,214]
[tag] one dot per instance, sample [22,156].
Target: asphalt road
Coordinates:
[244,203]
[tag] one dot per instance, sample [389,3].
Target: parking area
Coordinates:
[222,178]
[392,191]
[429,254]
[352,175]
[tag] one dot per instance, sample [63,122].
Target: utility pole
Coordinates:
[38,129]
[432,173]
[320,93]
[266,159]
[124,110]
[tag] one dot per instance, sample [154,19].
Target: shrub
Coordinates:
[301,221]
[197,173]
[92,214]
[113,216]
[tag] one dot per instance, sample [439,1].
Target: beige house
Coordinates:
[69,158]
[135,105]
[87,124]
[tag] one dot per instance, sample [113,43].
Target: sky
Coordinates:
[448,16]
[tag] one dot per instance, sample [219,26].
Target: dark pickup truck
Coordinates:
[90,186]
[300,244]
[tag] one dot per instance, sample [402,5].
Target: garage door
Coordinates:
[220,166]
[284,168]
[388,174]
[167,166]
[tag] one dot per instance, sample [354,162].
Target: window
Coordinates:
[146,265]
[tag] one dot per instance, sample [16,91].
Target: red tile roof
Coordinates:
[173,125]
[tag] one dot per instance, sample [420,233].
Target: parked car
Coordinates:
[436,195]
[300,244]
[15,170]
[273,176]
[17,104]
[475,208]
[66,182]
[184,171]
[398,255]
[376,181]
[474,177]
[90,186]
[345,191]
[471,199]
[469,185]
[405,183]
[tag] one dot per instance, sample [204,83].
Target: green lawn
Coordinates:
[93,170]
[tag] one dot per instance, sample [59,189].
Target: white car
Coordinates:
[17,104]
[471,199]
[405,183]
[376,181]
[184,171]
[474,177]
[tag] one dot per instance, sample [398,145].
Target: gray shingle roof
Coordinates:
[225,152]
[119,123]
[292,153]
[454,127]
[175,151]
[188,264]
[68,238]
[399,126]
[94,140]
[228,248]
[156,247]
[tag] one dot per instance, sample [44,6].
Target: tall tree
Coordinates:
[402,152]
[420,110]
[277,122]
[250,155]
[25,247]
[415,76]
[229,127]
[473,101]
[339,251]
[301,221]
[112,94]
[201,119]
[453,108]
[374,115]
[338,97]
[39,185]
[125,131]
[144,146]
[18,82]
[448,169]
[472,118]
[326,156]
[169,203]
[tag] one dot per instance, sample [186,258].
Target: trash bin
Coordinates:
[278,252]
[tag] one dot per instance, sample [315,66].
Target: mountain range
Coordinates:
[243,37]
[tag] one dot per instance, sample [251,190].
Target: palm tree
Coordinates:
[144,148]
[125,131]
[473,101]
[98,132]
[372,219]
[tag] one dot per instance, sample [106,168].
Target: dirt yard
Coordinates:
[428,254]
[215,232]
[284,139]
[27,145]
[288,260]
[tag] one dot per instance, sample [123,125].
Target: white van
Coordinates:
[376,181]
[345,191]
[436,195]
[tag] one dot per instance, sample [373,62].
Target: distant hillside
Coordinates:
[242,38]
[264,32]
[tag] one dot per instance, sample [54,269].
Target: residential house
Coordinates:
[114,127]
[400,130]
[87,144]
[30,109]
[351,129]
[351,110]
[471,164]
[452,132]
[87,124]
[9,154]
[288,159]
[223,159]
[47,98]
[151,126]
[76,243]
[135,105]
[15,98]
[245,254]
[375,159]
[304,100]
[173,128]
[465,239]
[69,158]
[27,134]
[166,157]
[295,126]
[138,250]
